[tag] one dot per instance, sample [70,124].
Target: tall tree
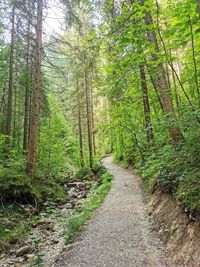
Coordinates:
[10,82]
[34,123]
[27,82]
[160,80]
[88,115]
[147,116]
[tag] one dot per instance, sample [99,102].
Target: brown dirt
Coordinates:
[180,233]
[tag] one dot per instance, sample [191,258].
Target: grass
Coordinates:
[97,196]
[13,225]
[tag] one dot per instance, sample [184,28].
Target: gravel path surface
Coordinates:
[119,233]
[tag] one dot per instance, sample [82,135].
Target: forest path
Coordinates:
[119,233]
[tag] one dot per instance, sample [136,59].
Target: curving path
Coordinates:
[119,234]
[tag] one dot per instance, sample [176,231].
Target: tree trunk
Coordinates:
[198,7]
[80,132]
[147,117]
[87,95]
[92,121]
[194,61]
[27,88]
[10,84]
[14,114]
[161,83]
[34,124]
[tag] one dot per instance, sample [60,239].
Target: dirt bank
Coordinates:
[179,232]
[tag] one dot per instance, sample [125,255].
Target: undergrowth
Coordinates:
[18,193]
[175,171]
[96,197]
[14,224]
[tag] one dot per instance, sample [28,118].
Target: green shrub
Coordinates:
[176,171]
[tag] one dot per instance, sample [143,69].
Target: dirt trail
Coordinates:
[119,233]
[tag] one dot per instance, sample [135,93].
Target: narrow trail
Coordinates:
[119,233]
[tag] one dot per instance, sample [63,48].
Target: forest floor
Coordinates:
[42,243]
[119,234]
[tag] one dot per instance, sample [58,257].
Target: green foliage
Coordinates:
[17,185]
[173,169]
[57,144]
[37,260]
[13,225]
[176,171]
[55,155]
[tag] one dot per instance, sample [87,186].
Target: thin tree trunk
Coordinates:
[2,103]
[176,93]
[194,61]
[88,118]
[80,132]
[155,88]
[27,88]
[14,114]
[34,125]
[92,121]
[10,84]
[198,7]
[147,116]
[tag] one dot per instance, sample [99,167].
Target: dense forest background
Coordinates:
[118,77]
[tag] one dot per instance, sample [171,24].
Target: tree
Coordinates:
[160,80]
[35,113]
[10,83]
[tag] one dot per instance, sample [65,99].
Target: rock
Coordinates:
[19,264]
[72,184]
[44,222]
[24,250]
[80,185]
[30,258]
[68,206]
[7,223]
[73,192]
[49,203]
[79,206]
[2,255]
[64,211]
[29,209]
[80,195]
[20,260]
[55,241]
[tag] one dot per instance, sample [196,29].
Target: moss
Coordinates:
[16,184]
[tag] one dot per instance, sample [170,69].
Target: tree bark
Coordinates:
[147,116]
[198,7]
[194,61]
[87,95]
[80,132]
[92,122]
[34,124]
[10,84]
[27,87]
